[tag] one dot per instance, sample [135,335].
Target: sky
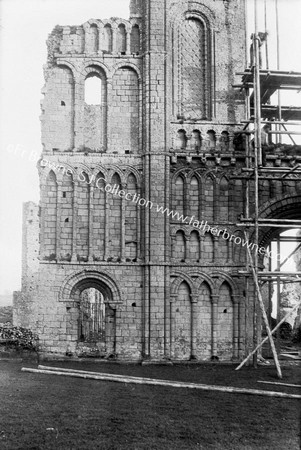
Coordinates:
[24,27]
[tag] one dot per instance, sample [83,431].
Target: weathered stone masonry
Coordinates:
[163,125]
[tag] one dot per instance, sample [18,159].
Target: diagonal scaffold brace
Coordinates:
[265,318]
[267,338]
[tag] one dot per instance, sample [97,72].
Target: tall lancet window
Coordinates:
[192,69]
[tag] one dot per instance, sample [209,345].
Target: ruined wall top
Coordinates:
[136,8]
[95,36]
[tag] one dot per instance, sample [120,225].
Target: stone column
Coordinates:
[85,39]
[216,201]
[107,226]
[100,29]
[173,245]
[58,221]
[186,198]
[138,210]
[173,297]
[122,226]
[241,335]
[215,248]
[107,143]
[187,256]
[214,299]
[78,112]
[128,40]
[91,206]
[230,251]
[74,222]
[114,38]
[235,300]
[194,300]
[202,247]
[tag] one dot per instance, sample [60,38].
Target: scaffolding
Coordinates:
[264,121]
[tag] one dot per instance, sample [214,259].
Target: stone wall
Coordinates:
[154,138]
[24,302]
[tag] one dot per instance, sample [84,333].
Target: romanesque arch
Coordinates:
[91,298]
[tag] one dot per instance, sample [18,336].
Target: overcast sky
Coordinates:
[24,27]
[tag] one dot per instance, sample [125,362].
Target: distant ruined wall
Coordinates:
[23,301]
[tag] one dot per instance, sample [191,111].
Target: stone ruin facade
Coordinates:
[115,276]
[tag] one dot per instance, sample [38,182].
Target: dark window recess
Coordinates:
[63,103]
[64,194]
[67,220]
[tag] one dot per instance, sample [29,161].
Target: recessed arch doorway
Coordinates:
[281,287]
[92,299]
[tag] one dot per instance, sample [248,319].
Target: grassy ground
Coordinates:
[49,412]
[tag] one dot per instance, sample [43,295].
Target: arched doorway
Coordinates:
[96,319]
[281,288]
[280,277]
[96,322]
[91,299]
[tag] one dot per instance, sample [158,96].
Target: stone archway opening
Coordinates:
[92,316]
[94,319]
[282,289]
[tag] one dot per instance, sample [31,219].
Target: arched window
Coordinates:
[194,245]
[131,221]
[194,197]
[182,326]
[108,39]
[224,199]
[82,222]
[95,110]
[224,141]
[66,217]
[178,196]
[179,246]
[94,38]
[211,137]
[58,110]
[125,111]
[191,68]
[182,139]
[92,316]
[209,198]
[225,320]
[203,322]
[208,248]
[99,218]
[135,40]
[121,39]
[196,140]
[93,90]
[115,220]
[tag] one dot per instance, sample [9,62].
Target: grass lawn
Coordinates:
[49,412]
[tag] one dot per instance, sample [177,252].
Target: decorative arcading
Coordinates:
[81,231]
[99,37]
[193,139]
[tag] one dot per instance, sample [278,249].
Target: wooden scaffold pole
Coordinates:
[264,315]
